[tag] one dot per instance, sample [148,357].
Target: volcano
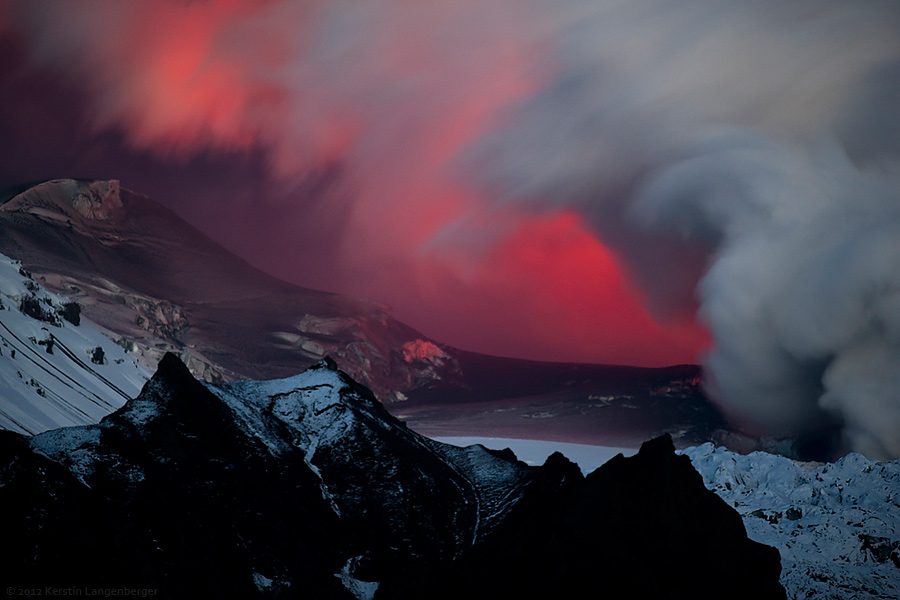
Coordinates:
[156,284]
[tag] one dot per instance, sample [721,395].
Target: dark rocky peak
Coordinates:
[305,487]
[169,493]
[172,398]
[640,527]
[378,475]
[692,538]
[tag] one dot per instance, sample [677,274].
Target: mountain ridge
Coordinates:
[144,273]
[155,284]
[307,487]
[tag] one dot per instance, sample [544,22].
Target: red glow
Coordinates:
[547,290]
[184,88]
[394,99]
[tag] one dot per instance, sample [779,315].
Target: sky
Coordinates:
[626,181]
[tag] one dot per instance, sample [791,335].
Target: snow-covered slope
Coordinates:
[836,525]
[55,369]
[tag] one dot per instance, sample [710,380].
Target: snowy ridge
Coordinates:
[309,404]
[55,370]
[837,525]
[535,452]
[73,447]
[320,408]
[497,484]
[306,403]
[249,487]
[332,420]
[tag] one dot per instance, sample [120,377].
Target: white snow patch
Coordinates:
[309,404]
[362,590]
[73,447]
[830,522]
[142,410]
[62,387]
[262,582]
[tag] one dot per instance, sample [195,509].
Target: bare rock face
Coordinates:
[306,487]
[98,200]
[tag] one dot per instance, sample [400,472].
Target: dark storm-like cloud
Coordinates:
[384,94]
[765,132]
[522,165]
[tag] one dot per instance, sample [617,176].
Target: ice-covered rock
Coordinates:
[836,525]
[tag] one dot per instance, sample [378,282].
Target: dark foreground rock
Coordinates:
[640,527]
[307,488]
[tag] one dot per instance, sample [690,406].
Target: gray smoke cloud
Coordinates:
[765,133]
[803,291]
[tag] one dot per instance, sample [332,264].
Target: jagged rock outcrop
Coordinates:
[166,494]
[100,200]
[639,527]
[197,490]
[307,488]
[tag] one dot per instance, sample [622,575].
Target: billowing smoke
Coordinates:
[591,172]
[766,132]
[803,293]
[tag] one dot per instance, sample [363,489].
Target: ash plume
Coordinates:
[762,135]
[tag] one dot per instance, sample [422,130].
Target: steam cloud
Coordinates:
[741,160]
[730,126]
